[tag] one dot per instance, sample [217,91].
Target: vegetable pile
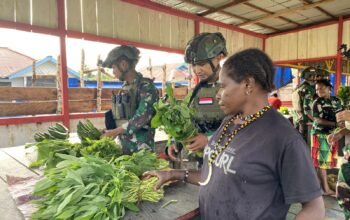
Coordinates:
[90,188]
[91,180]
[284,110]
[91,144]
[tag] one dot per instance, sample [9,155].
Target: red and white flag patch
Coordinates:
[205,101]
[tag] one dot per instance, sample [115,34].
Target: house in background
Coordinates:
[16,70]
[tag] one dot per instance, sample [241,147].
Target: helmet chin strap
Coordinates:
[214,69]
[123,73]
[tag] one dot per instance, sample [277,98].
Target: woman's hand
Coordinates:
[343,116]
[334,138]
[172,149]
[197,143]
[162,175]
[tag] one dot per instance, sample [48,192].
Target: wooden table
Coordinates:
[13,161]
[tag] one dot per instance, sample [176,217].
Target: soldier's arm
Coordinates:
[145,110]
[307,103]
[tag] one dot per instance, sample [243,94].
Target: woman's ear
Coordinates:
[249,85]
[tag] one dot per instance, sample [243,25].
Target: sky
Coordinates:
[38,46]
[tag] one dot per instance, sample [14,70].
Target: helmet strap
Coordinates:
[214,69]
[123,73]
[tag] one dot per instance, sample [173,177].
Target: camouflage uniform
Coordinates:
[138,133]
[323,154]
[134,102]
[343,185]
[306,93]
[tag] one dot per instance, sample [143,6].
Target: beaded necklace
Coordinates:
[248,120]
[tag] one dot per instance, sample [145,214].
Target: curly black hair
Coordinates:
[251,63]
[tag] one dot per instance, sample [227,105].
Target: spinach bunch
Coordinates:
[174,116]
[90,188]
[140,162]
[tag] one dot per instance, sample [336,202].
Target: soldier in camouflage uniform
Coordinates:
[343,184]
[134,103]
[204,52]
[303,96]
[323,154]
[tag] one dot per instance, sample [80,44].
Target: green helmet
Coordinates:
[129,52]
[308,73]
[205,46]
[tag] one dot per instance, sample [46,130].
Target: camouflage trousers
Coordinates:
[343,197]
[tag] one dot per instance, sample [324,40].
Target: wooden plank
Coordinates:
[346,32]
[81,93]
[302,44]
[174,28]
[22,155]
[105,17]
[26,93]
[144,19]
[127,21]
[116,10]
[23,11]
[8,208]
[44,13]
[79,106]
[154,28]
[293,46]
[183,29]
[187,200]
[165,33]
[89,16]
[74,21]
[332,40]
[7,10]
[90,93]
[28,108]
[11,167]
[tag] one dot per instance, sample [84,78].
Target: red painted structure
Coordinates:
[62,33]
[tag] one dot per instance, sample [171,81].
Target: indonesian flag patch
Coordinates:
[205,101]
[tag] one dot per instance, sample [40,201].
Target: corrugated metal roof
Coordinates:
[12,61]
[271,16]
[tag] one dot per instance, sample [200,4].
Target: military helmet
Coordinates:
[205,46]
[130,52]
[308,72]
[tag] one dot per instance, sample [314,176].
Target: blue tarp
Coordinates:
[283,76]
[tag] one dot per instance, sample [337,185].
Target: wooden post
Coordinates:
[164,79]
[150,67]
[34,75]
[58,86]
[82,67]
[190,78]
[99,87]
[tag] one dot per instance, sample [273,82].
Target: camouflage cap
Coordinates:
[130,52]
[205,46]
[312,71]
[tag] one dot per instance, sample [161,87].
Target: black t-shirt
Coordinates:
[265,168]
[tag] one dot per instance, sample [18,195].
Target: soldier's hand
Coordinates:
[172,149]
[113,133]
[343,116]
[334,138]
[197,143]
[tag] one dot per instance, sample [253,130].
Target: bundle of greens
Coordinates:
[58,131]
[90,188]
[47,150]
[175,118]
[344,94]
[140,162]
[87,131]
[106,148]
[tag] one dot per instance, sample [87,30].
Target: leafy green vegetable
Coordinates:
[284,110]
[344,94]
[87,131]
[91,188]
